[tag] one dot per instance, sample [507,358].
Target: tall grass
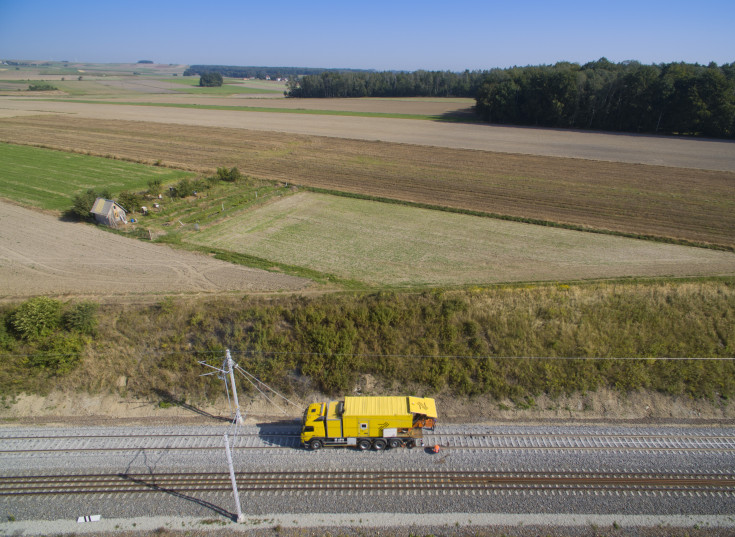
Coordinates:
[514,342]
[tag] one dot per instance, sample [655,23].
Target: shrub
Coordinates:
[184,189]
[130,201]
[81,318]
[58,354]
[231,175]
[154,186]
[36,318]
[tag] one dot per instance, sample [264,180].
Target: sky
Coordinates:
[376,34]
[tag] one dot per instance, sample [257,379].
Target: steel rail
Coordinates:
[617,442]
[365,481]
[460,435]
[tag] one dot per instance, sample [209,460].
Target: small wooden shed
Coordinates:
[108,212]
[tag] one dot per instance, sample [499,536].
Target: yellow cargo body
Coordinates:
[366,422]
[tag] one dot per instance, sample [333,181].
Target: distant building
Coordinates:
[108,212]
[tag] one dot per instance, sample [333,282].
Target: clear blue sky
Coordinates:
[375,34]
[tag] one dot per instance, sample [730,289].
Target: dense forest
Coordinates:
[387,84]
[668,98]
[675,98]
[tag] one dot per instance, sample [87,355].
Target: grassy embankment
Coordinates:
[471,342]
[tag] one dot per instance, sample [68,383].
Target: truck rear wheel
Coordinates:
[316,444]
[395,443]
[379,444]
[363,445]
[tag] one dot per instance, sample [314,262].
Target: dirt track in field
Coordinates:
[663,151]
[41,255]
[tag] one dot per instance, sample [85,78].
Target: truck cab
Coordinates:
[312,426]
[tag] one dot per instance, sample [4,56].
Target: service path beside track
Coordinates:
[637,149]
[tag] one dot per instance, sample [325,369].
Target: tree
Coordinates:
[210,79]
[82,203]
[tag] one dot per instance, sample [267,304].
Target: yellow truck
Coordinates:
[368,422]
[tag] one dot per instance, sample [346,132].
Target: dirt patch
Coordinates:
[603,406]
[41,255]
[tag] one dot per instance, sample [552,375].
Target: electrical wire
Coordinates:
[415,356]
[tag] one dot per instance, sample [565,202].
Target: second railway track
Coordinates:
[363,481]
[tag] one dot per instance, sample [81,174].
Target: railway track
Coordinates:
[704,443]
[445,482]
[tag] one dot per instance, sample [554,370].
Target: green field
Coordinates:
[50,179]
[398,246]
[231,86]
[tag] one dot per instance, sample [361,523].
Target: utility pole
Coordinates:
[240,516]
[229,366]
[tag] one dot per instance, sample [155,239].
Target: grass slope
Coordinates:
[452,342]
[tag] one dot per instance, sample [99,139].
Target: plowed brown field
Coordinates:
[679,203]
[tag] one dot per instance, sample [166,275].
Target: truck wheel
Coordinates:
[363,445]
[379,445]
[395,443]
[316,444]
[410,444]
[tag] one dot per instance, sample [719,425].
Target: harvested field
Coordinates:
[690,204]
[386,244]
[654,150]
[417,106]
[40,255]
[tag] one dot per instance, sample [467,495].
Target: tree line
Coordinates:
[674,98]
[234,71]
[387,84]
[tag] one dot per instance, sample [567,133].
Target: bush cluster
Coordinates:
[478,343]
[47,335]
[41,86]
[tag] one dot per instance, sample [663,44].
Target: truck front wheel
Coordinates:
[316,444]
